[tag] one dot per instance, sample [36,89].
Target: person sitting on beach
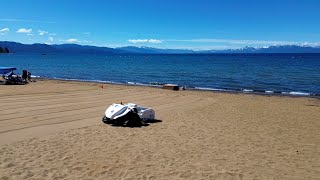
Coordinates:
[29,76]
[24,75]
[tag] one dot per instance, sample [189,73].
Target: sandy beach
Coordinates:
[52,129]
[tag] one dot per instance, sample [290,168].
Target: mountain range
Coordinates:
[16,47]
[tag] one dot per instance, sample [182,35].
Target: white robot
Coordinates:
[128,114]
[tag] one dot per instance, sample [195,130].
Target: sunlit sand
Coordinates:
[52,129]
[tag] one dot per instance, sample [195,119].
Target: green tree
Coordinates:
[1,50]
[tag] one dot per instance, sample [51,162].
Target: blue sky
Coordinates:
[191,24]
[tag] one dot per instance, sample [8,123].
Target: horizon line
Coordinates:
[190,49]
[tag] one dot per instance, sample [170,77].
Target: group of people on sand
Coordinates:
[13,78]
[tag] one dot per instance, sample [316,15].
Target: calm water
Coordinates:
[273,73]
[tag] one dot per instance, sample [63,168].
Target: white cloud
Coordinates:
[85,41]
[72,41]
[4,31]
[23,30]
[156,41]
[153,41]
[29,34]
[41,32]
[138,40]
[310,44]
[24,20]
[51,39]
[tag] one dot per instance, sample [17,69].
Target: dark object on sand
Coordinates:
[182,88]
[9,76]
[24,75]
[131,119]
[14,79]
[130,115]
[171,87]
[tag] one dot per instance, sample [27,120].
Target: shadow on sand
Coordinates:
[138,125]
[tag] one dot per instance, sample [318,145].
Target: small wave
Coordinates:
[138,84]
[85,80]
[291,93]
[247,90]
[156,83]
[269,92]
[211,89]
[297,93]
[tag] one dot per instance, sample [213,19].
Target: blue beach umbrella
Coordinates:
[5,70]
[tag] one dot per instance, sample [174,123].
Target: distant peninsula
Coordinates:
[4,50]
[16,47]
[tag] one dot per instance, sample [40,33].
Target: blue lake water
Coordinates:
[265,73]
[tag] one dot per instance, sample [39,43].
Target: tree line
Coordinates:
[4,50]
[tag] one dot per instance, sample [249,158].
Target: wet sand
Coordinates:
[53,130]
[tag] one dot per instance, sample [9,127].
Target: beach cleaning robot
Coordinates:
[128,115]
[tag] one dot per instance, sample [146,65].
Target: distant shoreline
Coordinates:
[244,91]
[76,48]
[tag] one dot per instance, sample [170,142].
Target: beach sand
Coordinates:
[52,130]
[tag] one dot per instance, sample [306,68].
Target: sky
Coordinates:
[177,24]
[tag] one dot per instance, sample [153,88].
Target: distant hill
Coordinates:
[290,49]
[150,50]
[44,48]
[4,50]
[18,47]
[75,48]
[270,49]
